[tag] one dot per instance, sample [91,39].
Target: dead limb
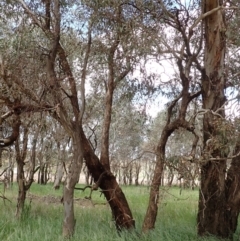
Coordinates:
[4,198]
[93,187]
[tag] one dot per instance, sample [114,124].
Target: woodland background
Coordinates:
[128,92]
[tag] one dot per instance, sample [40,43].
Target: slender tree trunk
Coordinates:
[20,157]
[21,188]
[58,176]
[46,176]
[130,174]
[152,210]
[137,168]
[169,128]
[212,197]
[71,180]
[1,153]
[170,178]
[41,174]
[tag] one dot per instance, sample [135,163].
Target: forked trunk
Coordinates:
[68,193]
[152,210]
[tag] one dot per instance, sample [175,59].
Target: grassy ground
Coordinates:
[42,218]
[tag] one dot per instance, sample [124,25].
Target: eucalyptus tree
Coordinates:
[61,155]
[185,49]
[198,44]
[218,202]
[33,56]
[179,144]
[45,55]
[26,159]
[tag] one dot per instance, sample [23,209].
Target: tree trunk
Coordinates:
[170,178]
[1,154]
[212,199]
[71,180]
[152,210]
[46,176]
[21,188]
[20,157]
[23,184]
[41,174]
[111,190]
[232,193]
[151,214]
[137,169]
[130,174]
[58,176]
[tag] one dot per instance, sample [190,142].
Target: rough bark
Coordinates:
[212,200]
[232,193]
[71,123]
[110,188]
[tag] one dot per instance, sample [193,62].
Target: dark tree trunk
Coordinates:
[130,175]
[111,190]
[124,178]
[46,176]
[1,150]
[41,174]
[232,193]
[137,168]
[21,188]
[170,178]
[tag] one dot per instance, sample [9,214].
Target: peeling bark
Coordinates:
[212,199]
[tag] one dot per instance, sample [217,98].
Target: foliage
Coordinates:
[126,38]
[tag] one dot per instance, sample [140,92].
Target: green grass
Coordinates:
[176,217]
